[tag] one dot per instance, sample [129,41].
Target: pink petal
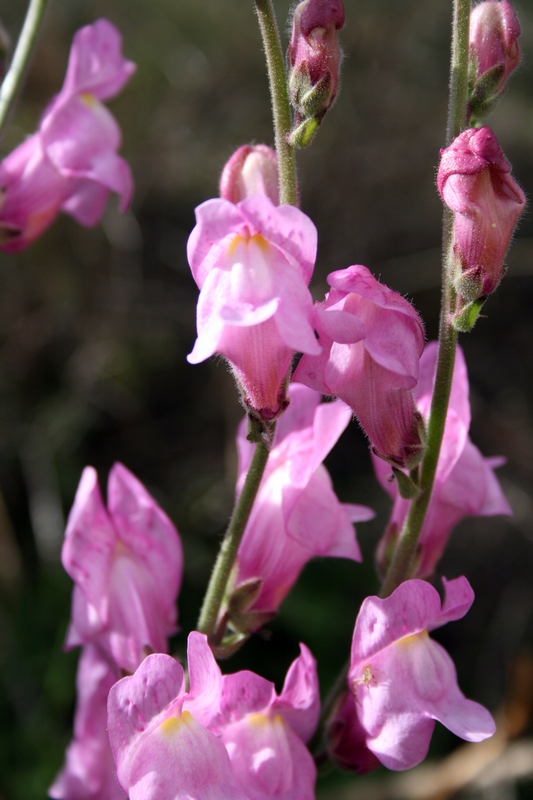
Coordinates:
[299,701]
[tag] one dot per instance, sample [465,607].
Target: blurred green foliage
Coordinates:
[95,326]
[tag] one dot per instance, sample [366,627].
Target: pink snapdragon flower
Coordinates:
[252,263]
[71,162]
[314,59]
[465,484]
[400,680]
[474,181]
[227,737]
[126,563]
[252,169]
[494,33]
[89,770]
[371,339]
[296,515]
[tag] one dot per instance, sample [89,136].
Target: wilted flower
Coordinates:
[252,263]
[371,340]
[71,162]
[474,180]
[127,564]
[465,484]
[400,680]
[252,169]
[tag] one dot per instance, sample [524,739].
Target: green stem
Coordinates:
[15,75]
[288,187]
[404,557]
[230,544]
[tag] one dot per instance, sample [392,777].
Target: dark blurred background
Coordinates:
[95,326]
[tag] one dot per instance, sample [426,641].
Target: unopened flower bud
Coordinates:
[494,54]
[475,182]
[314,59]
[252,169]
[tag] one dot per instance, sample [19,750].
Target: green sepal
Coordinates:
[465,319]
[244,595]
[408,489]
[303,134]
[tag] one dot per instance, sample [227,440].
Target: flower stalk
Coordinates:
[404,556]
[288,186]
[214,595]
[21,58]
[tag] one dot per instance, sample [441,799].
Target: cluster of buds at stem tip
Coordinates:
[494,54]
[314,59]
[475,182]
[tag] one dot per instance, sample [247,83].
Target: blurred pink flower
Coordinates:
[71,162]
[126,564]
[252,169]
[371,339]
[252,263]
[296,515]
[89,770]
[474,180]
[465,484]
[401,680]
[228,737]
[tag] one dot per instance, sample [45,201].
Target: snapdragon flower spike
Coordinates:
[314,59]
[400,680]
[296,515]
[71,162]
[252,263]
[371,339]
[465,484]
[227,737]
[89,770]
[475,182]
[127,564]
[252,169]
[494,54]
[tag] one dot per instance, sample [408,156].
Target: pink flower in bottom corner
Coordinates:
[227,737]
[71,162]
[465,483]
[89,770]
[400,680]
[297,515]
[126,563]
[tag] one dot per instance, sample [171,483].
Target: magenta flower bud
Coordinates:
[400,680]
[314,59]
[494,32]
[475,182]
[71,163]
[371,340]
[252,169]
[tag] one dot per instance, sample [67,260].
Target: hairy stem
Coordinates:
[288,187]
[21,58]
[404,557]
[230,544]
